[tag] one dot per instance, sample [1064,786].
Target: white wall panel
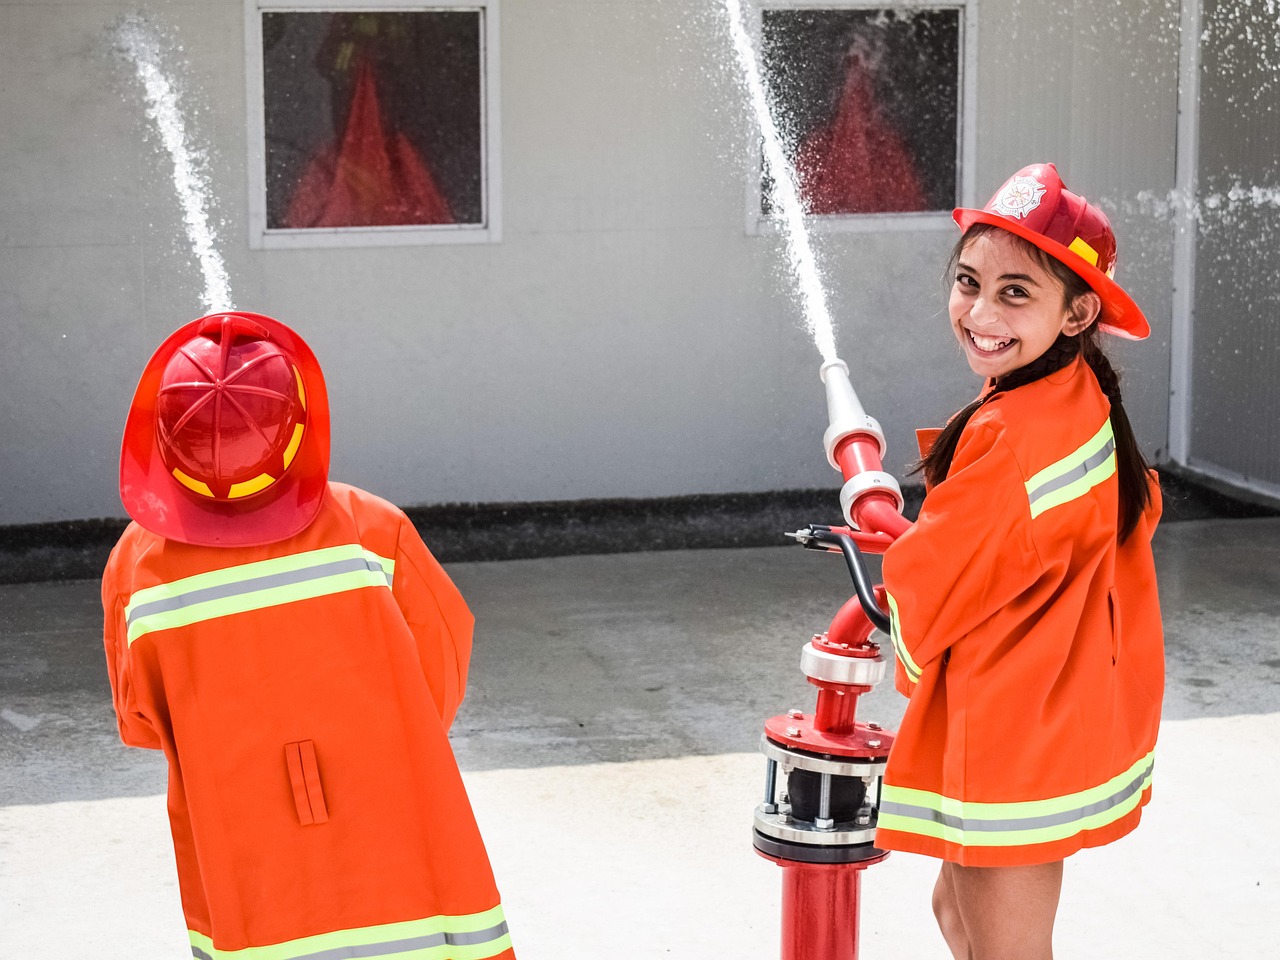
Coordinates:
[1235,351]
[625,338]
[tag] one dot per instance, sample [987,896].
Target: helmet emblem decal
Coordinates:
[1018,197]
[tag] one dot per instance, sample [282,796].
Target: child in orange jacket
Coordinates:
[298,654]
[1023,603]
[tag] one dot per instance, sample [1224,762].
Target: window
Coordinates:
[372,124]
[870,102]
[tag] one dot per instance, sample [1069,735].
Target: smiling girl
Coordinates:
[1023,601]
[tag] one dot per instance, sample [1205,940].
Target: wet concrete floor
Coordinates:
[608,740]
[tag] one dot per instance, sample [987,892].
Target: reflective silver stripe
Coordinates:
[1075,474]
[970,825]
[255,586]
[1018,823]
[392,948]
[222,591]
[900,647]
[477,936]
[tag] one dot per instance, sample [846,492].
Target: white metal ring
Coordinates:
[832,667]
[848,427]
[865,482]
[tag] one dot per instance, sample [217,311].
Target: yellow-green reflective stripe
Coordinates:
[1014,824]
[1074,475]
[472,937]
[895,637]
[253,586]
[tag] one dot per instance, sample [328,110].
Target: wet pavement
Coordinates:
[608,740]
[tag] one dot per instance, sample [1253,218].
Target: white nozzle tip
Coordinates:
[830,364]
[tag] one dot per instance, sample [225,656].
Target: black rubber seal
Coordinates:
[814,853]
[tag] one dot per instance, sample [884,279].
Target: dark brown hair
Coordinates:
[1131,465]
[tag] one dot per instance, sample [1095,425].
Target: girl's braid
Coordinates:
[1108,379]
[1132,470]
[1061,352]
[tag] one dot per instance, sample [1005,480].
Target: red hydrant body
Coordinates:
[818,818]
[820,911]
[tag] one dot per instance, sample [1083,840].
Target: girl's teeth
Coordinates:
[988,343]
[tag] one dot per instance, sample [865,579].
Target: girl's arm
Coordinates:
[439,618]
[968,555]
[135,729]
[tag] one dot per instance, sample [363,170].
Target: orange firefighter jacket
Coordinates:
[1028,640]
[302,693]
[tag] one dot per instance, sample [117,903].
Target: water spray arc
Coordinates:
[824,769]
[804,264]
[138,43]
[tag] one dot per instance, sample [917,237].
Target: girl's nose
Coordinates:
[983,312]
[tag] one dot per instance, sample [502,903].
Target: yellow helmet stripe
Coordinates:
[192,484]
[260,482]
[295,442]
[1082,249]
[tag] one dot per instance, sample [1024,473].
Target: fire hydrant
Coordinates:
[824,769]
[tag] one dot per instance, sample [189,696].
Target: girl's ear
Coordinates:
[1084,311]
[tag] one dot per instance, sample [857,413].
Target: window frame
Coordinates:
[758,224]
[261,237]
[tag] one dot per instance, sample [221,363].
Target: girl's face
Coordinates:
[1006,309]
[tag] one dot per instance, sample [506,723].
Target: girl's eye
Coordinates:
[964,280]
[1016,292]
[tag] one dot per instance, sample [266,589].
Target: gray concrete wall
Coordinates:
[626,338]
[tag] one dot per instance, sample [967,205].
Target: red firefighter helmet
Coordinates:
[227,440]
[1036,205]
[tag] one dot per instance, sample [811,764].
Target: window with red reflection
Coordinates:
[373,118]
[867,101]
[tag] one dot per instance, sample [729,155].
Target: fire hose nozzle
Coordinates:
[844,412]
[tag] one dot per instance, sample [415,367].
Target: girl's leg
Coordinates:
[947,911]
[1007,912]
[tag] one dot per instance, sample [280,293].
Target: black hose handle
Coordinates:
[862,584]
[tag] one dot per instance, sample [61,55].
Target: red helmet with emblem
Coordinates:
[227,440]
[1036,205]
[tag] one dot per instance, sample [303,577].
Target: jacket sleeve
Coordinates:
[439,618]
[968,555]
[135,729]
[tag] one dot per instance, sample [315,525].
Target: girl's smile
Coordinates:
[1006,309]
